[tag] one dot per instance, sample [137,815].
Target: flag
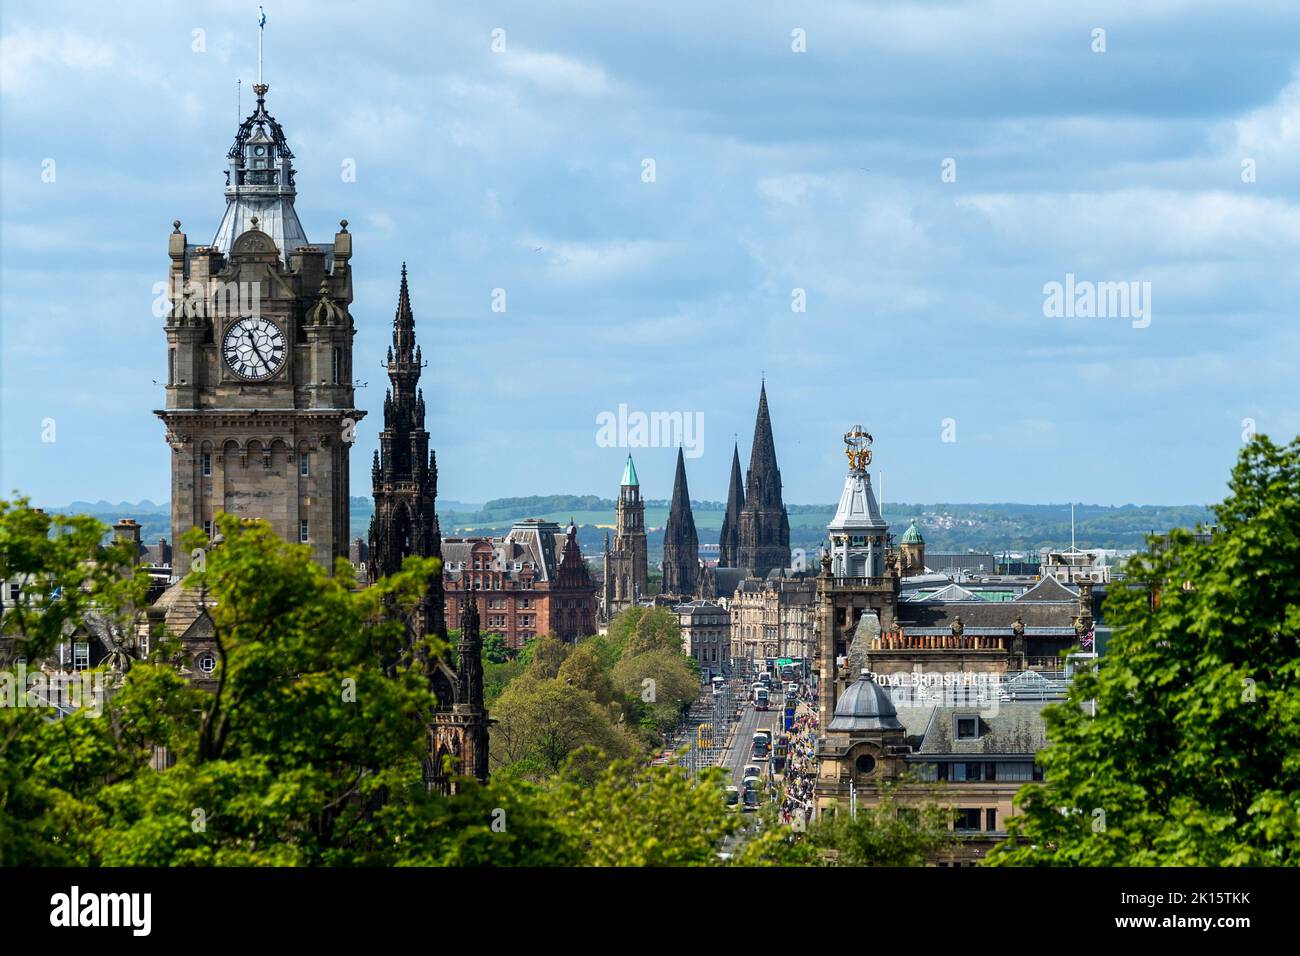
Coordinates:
[261,17]
[1086,640]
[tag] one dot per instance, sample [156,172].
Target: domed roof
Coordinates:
[865,705]
[912,535]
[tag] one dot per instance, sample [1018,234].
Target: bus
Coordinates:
[760,699]
[779,753]
[761,746]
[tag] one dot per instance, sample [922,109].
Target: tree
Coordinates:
[659,683]
[495,649]
[890,833]
[1193,755]
[548,653]
[635,815]
[287,762]
[540,722]
[65,575]
[639,630]
[583,668]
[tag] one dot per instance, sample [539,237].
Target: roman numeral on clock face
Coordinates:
[254,348]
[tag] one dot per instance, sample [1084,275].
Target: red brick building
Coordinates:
[533,581]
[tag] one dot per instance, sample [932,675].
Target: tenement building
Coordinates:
[531,582]
[260,413]
[626,565]
[706,628]
[772,618]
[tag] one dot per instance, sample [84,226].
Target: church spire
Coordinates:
[764,533]
[728,540]
[763,471]
[681,543]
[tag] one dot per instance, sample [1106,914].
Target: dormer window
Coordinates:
[968,728]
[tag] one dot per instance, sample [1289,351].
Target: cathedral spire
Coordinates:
[763,471]
[728,540]
[764,532]
[681,543]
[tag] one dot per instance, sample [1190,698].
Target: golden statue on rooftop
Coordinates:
[857,447]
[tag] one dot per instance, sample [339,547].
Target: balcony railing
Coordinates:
[859,582]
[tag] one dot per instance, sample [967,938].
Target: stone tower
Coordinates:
[260,410]
[764,534]
[911,551]
[404,476]
[458,733]
[681,543]
[729,538]
[627,573]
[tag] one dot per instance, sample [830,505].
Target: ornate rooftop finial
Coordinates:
[176,225]
[857,448]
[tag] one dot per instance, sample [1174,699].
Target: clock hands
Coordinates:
[253,344]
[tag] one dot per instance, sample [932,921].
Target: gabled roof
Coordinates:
[953,592]
[1048,589]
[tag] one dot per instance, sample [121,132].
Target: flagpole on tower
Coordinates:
[261,28]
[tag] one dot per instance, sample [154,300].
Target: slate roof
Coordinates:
[1016,727]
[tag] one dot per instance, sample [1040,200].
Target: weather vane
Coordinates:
[857,447]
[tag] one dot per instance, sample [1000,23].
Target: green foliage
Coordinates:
[1193,757]
[548,653]
[541,721]
[632,815]
[658,685]
[64,572]
[496,650]
[639,630]
[286,762]
[894,832]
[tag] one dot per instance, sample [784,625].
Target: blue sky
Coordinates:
[774,171]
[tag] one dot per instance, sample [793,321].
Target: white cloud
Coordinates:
[26,56]
[553,72]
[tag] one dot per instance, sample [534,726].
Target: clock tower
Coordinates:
[260,410]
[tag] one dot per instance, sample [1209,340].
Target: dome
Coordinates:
[864,705]
[912,535]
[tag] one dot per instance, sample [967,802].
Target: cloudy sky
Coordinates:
[774,171]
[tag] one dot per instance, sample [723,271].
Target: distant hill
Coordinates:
[946,527]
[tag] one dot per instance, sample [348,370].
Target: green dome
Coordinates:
[912,535]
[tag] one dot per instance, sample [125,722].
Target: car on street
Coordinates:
[733,798]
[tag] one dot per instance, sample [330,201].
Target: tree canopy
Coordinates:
[1193,755]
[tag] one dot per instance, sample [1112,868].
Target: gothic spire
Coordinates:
[681,543]
[763,471]
[404,324]
[729,540]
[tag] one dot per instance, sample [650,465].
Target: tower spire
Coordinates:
[681,542]
[729,540]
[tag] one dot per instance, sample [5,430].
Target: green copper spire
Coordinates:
[913,534]
[629,475]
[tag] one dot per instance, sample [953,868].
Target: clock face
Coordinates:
[254,349]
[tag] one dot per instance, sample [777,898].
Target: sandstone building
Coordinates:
[260,412]
[531,582]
